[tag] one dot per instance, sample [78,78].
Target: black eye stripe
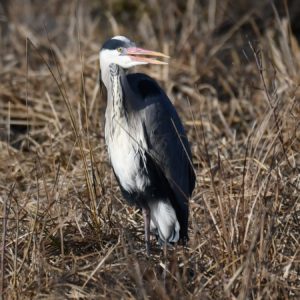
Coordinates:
[113,44]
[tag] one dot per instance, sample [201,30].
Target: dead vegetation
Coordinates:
[65,229]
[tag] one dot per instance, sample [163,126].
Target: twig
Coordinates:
[6,206]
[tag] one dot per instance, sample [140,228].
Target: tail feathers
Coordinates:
[164,221]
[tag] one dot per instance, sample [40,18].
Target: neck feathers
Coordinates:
[115,85]
[115,91]
[109,71]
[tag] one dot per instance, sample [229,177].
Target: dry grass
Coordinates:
[65,230]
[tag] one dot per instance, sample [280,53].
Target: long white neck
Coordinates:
[115,114]
[114,85]
[115,99]
[105,74]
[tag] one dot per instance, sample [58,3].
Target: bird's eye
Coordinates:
[120,50]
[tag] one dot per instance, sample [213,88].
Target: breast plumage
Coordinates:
[127,158]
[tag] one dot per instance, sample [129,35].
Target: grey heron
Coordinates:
[147,145]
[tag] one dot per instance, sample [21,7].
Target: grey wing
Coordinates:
[168,148]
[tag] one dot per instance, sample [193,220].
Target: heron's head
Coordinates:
[121,51]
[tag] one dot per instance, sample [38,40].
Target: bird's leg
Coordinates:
[146,214]
[165,249]
[165,245]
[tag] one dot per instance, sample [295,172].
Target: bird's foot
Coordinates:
[147,248]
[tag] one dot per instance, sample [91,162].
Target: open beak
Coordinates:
[138,54]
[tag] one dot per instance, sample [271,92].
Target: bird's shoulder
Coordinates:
[159,115]
[151,96]
[144,85]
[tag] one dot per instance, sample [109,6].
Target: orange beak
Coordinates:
[137,54]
